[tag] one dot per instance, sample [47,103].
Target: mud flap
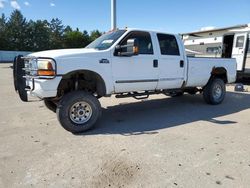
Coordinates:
[19,80]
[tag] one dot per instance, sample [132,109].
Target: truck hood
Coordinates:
[63,53]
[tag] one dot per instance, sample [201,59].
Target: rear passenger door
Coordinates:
[171,63]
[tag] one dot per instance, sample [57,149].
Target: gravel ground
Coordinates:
[160,142]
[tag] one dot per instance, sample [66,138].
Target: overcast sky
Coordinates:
[177,16]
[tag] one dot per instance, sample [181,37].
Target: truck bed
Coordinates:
[199,68]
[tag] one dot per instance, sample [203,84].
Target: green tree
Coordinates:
[86,37]
[95,34]
[57,29]
[18,34]
[3,33]
[67,29]
[74,39]
[39,35]
[17,31]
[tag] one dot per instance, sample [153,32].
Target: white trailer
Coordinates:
[230,42]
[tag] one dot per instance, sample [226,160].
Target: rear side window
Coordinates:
[144,40]
[168,44]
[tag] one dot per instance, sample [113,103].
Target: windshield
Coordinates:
[107,40]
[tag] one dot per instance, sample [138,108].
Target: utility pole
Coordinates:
[113,15]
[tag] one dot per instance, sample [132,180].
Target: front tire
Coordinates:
[78,111]
[215,91]
[50,105]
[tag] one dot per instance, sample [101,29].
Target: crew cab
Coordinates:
[128,63]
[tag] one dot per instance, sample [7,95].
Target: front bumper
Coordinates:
[27,85]
[42,88]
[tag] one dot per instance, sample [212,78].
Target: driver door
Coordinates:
[138,72]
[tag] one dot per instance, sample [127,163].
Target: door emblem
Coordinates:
[104,61]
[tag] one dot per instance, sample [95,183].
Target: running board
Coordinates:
[136,95]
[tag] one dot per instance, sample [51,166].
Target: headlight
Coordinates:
[31,67]
[46,67]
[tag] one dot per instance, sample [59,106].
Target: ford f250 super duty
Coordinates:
[128,63]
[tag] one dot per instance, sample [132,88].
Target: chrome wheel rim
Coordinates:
[217,91]
[80,112]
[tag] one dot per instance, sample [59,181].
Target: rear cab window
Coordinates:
[168,44]
[144,40]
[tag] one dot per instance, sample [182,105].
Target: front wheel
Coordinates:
[78,111]
[214,92]
[50,105]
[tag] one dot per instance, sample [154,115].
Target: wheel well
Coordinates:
[82,80]
[219,72]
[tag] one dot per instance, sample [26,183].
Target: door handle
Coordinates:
[181,63]
[155,63]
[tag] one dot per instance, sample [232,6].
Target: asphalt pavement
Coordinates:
[159,142]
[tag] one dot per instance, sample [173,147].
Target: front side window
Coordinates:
[107,40]
[240,42]
[144,41]
[168,44]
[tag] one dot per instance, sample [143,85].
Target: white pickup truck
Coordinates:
[127,63]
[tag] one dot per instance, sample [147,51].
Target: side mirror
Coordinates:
[130,49]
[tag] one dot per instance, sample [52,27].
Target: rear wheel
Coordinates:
[78,111]
[214,92]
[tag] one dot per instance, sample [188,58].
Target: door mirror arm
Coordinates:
[128,50]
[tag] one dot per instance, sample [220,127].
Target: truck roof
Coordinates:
[146,30]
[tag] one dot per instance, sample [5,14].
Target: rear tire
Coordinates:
[214,92]
[78,111]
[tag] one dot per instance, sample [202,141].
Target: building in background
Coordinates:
[229,42]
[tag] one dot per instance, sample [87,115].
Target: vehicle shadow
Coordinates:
[148,117]
[7,67]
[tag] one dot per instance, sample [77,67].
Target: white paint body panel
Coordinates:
[69,60]
[134,68]
[195,73]
[44,88]
[199,70]
[171,74]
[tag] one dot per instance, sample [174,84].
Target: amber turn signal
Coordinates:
[46,73]
[47,70]
[136,49]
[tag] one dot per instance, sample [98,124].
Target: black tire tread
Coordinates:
[50,105]
[207,91]
[67,101]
